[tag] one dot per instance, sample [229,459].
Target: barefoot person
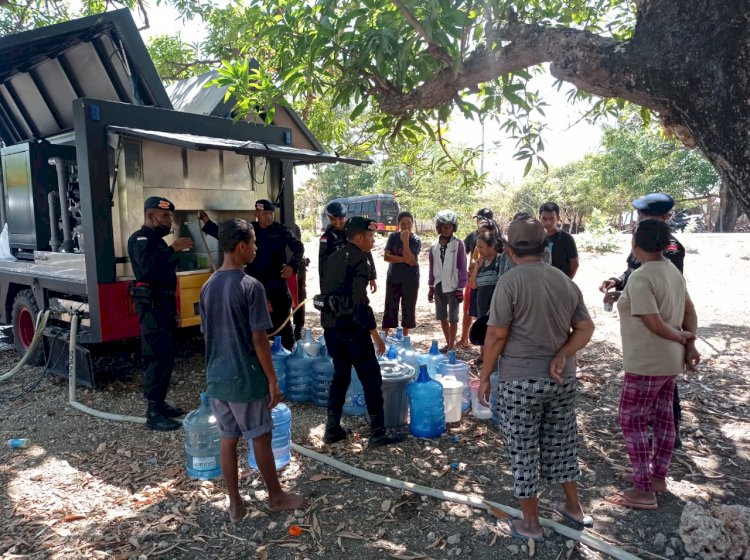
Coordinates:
[658,325]
[239,370]
[538,321]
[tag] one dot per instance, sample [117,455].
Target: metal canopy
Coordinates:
[43,71]
[246,147]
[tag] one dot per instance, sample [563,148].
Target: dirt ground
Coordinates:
[91,488]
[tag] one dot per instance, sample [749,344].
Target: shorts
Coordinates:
[248,419]
[446,305]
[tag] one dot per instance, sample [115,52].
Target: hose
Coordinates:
[205,244]
[291,315]
[38,335]
[472,501]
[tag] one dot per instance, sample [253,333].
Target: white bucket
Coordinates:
[478,410]
[453,391]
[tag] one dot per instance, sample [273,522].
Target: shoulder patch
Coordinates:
[324,239]
[141,238]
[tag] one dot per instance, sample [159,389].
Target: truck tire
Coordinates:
[25,311]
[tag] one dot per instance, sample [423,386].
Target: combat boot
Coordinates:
[156,420]
[334,431]
[382,437]
[165,409]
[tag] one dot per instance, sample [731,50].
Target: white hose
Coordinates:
[473,501]
[38,335]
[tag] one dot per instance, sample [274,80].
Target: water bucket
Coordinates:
[478,410]
[453,391]
[396,377]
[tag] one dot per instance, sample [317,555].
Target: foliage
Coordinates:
[175,59]
[599,237]
[17,16]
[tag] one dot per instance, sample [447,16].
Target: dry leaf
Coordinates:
[500,514]
[407,556]
[263,554]
[319,477]
[73,517]
[532,547]
[386,505]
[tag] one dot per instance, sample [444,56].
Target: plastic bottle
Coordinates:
[299,375]
[281,438]
[432,359]
[391,354]
[354,404]
[18,443]
[426,413]
[396,339]
[202,442]
[408,355]
[309,344]
[460,370]
[322,368]
[279,355]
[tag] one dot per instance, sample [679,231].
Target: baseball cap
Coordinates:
[264,205]
[485,213]
[158,203]
[358,223]
[336,209]
[654,204]
[526,233]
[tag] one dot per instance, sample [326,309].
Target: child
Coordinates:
[447,275]
[402,283]
[239,370]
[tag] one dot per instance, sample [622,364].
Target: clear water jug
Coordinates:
[460,370]
[202,442]
[309,344]
[299,375]
[432,359]
[281,438]
[278,356]
[408,355]
[322,368]
[396,339]
[426,412]
[354,404]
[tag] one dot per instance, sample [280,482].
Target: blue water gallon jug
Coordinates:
[494,383]
[396,339]
[432,359]
[281,438]
[354,404]
[309,344]
[278,356]
[426,413]
[460,370]
[299,375]
[322,367]
[202,442]
[391,354]
[408,355]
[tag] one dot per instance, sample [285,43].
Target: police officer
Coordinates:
[271,265]
[658,206]
[154,264]
[350,331]
[334,238]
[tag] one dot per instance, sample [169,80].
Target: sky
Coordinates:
[567,137]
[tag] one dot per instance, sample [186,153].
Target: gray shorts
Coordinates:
[248,419]
[446,305]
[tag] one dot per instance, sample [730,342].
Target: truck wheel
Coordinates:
[25,311]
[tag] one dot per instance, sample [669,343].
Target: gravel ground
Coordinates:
[90,488]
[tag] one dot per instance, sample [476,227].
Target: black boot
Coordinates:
[334,431]
[165,409]
[156,420]
[380,436]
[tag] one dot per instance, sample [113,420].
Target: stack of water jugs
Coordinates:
[322,375]
[299,372]
[279,355]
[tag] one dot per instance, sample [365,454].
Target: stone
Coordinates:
[431,536]
[454,539]
[513,548]
[257,536]
[660,540]
[668,552]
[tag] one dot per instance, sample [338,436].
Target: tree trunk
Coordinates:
[728,211]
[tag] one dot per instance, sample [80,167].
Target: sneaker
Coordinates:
[334,434]
[381,438]
[156,421]
[165,409]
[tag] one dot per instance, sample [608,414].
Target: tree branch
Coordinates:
[434,49]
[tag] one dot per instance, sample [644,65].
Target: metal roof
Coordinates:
[44,70]
[246,147]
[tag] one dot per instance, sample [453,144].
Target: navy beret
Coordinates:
[654,204]
[358,223]
[158,203]
[264,205]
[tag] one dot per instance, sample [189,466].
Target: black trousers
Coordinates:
[158,326]
[353,347]
[299,315]
[403,294]
[281,305]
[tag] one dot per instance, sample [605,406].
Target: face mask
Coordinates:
[163,231]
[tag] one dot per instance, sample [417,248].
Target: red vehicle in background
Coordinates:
[383,208]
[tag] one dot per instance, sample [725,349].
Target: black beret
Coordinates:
[336,209]
[158,203]
[264,205]
[654,204]
[358,223]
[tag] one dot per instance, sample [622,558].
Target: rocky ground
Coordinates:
[91,488]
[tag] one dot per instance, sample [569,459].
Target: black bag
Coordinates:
[479,330]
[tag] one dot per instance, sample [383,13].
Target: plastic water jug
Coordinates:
[202,442]
[494,383]
[452,395]
[432,359]
[460,370]
[478,410]
[396,339]
[281,438]
[391,354]
[278,356]
[396,378]
[426,412]
[354,404]
[299,375]
[309,344]
[322,367]
[408,355]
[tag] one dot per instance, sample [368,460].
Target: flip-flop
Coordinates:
[507,527]
[620,499]
[588,521]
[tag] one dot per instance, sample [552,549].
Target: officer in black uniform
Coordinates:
[271,266]
[658,206]
[334,238]
[153,292]
[350,331]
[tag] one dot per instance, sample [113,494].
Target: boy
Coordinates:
[402,284]
[239,371]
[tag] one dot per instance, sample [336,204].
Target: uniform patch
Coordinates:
[672,247]
[141,238]
[164,204]
[324,239]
